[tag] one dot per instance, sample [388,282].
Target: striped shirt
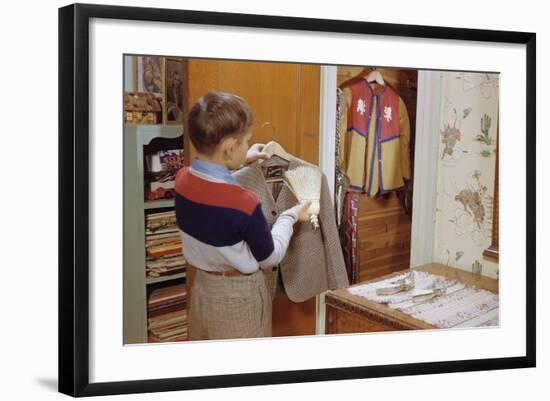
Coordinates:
[222,225]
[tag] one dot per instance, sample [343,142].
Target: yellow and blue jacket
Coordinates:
[374,152]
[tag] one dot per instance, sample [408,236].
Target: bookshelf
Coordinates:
[137,286]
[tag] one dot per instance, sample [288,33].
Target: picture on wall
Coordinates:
[175,90]
[149,74]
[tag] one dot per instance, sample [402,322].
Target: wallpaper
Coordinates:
[466,171]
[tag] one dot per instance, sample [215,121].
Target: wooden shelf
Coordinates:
[136,283]
[154,280]
[157,204]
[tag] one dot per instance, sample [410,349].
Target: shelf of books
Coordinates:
[155,300]
[165,266]
[167,314]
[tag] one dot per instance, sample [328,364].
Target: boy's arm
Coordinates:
[269,246]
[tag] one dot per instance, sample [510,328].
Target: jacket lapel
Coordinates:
[261,188]
[286,198]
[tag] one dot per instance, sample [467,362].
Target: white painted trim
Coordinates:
[425,167]
[327,159]
[327,124]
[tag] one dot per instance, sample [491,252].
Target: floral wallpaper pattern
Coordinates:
[466,171]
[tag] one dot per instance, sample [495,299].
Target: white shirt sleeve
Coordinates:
[281,232]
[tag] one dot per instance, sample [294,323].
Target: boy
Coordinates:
[224,232]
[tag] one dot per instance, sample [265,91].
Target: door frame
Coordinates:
[425,167]
[327,162]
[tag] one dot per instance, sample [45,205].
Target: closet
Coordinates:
[384,222]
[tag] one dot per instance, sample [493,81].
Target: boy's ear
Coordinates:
[229,145]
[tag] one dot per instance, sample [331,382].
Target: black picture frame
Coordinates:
[74,198]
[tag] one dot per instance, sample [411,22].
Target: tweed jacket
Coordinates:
[313,262]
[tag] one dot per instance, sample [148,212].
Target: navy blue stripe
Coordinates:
[375,139]
[389,138]
[258,235]
[380,185]
[213,225]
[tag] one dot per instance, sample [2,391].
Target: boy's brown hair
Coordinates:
[217,115]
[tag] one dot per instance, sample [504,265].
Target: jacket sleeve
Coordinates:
[336,268]
[405,139]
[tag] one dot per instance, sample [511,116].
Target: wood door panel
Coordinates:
[271,90]
[308,113]
[203,77]
[293,319]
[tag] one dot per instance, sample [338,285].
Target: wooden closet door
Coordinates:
[285,98]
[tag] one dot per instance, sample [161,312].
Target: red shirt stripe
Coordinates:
[210,193]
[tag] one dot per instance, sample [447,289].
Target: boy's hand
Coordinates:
[255,153]
[302,211]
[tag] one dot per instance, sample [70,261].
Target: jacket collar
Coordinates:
[372,91]
[292,164]
[282,198]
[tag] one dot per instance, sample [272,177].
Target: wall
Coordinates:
[466,171]
[128,73]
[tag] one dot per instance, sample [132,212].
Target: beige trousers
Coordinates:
[224,307]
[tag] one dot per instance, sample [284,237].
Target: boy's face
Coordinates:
[237,149]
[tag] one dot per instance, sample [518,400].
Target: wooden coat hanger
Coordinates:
[274,148]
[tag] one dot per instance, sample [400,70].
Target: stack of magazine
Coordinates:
[167,314]
[163,245]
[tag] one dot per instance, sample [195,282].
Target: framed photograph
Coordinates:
[422,258]
[174,80]
[149,75]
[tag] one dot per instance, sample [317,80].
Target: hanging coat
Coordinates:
[314,262]
[374,153]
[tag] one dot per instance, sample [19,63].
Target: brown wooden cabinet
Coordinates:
[348,313]
[384,236]
[286,99]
